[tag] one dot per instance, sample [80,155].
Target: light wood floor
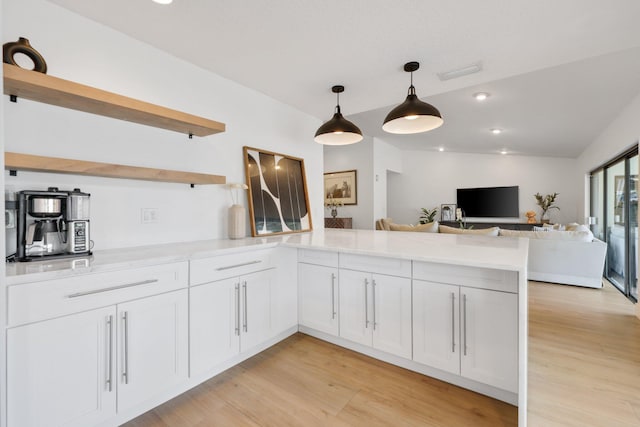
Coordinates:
[584,370]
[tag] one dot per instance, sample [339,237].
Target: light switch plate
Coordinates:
[149,215]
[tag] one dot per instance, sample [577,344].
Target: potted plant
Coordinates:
[428,215]
[546,203]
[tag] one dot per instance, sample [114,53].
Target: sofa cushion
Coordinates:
[493,231]
[576,227]
[431,227]
[384,222]
[578,236]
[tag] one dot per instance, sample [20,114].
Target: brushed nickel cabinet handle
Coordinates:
[366,303]
[237,314]
[464,325]
[453,322]
[373,296]
[333,295]
[125,368]
[109,381]
[112,288]
[246,322]
[229,267]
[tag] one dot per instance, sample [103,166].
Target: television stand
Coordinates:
[504,225]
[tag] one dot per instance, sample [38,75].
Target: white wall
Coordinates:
[386,159]
[81,50]
[359,157]
[618,137]
[429,179]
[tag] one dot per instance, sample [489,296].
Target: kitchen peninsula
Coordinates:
[448,306]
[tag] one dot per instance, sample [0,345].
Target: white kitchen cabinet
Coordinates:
[61,372]
[489,332]
[467,331]
[375,310]
[436,325]
[318,297]
[153,346]
[230,316]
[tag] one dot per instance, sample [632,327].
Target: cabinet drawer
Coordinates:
[225,266]
[31,302]
[485,278]
[326,258]
[373,264]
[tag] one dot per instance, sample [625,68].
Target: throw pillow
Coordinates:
[401,227]
[385,223]
[493,231]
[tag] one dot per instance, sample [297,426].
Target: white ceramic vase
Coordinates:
[237,223]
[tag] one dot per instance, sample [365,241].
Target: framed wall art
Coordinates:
[341,187]
[448,212]
[278,197]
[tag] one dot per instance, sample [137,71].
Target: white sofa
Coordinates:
[564,257]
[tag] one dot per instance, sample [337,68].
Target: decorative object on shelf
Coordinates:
[345,223]
[546,203]
[428,215]
[278,197]
[447,212]
[237,212]
[338,130]
[24,47]
[333,204]
[461,219]
[413,115]
[531,217]
[342,186]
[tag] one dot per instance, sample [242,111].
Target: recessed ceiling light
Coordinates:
[496,131]
[504,151]
[481,96]
[163,1]
[441,149]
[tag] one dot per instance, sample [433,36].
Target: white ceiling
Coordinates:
[558,71]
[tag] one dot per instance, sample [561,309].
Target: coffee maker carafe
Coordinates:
[52,224]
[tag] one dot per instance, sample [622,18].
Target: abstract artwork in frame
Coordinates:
[278,198]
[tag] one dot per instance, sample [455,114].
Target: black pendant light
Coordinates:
[338,130]
[413,115]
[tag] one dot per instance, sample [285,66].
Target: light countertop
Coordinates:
[502,253]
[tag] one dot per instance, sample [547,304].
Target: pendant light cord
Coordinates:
[412,89]
[338,102]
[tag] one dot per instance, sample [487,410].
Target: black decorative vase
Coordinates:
[23,46]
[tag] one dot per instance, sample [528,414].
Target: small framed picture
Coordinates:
[342,187]
[447,213]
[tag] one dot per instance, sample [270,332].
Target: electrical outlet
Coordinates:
[149,215]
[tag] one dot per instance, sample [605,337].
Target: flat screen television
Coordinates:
[489,202]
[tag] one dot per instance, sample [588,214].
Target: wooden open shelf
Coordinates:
[28,162]
[40,87]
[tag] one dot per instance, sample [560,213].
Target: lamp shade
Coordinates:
[338,130]
[413,115]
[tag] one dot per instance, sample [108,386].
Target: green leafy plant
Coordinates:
[428,215]
[546,202]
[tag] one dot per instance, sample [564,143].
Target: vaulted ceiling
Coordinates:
[558,71]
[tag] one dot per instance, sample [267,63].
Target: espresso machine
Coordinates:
[52,224]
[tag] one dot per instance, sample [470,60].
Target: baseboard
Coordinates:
[496,393]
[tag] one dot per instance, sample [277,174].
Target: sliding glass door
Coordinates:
[614,219]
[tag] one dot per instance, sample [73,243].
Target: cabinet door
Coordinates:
[153,346]
[355,313]
[318,297]
[215,324]
[391,321]
[436,326]
[490,337]
[257,308]
[61,372]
